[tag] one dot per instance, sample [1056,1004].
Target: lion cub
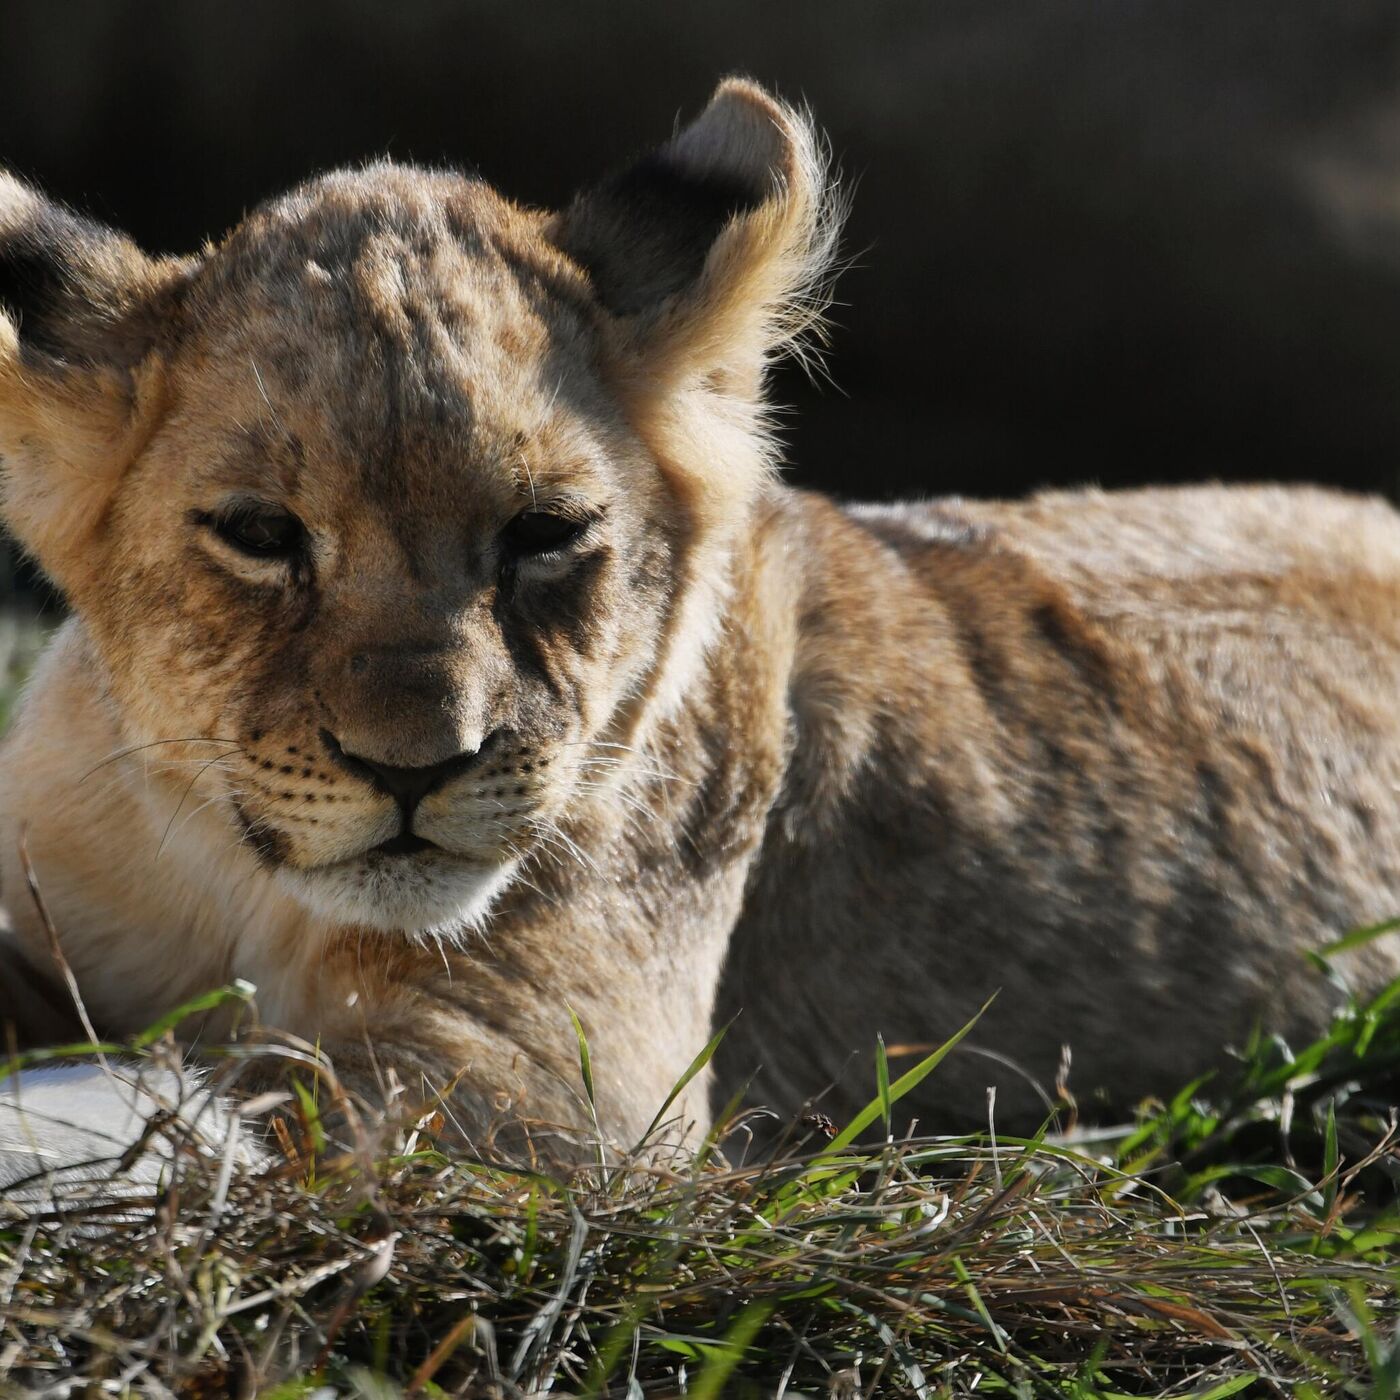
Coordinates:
[445,654]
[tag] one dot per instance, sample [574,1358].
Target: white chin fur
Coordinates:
[421,896]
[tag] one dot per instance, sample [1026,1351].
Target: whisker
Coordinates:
[624,799]
[567,843]
[620,765]
[181,803]
[155,743]
[174,765]
[520,879]
[547,846]
[208,802]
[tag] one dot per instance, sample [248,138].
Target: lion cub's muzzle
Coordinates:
[323,799]
[406,786]
[392,845]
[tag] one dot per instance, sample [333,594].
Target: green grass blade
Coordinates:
[239,990]
[882,1082]
[585,1061]
[722,1359]
[1230,1387]
[85,1049]
[901,1086]
[1331,1160]
[1358,937]
[997,1335]
[678,1088]
[312,1112]
[721,1121]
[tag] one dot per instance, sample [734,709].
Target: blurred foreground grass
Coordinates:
[22,634]
[1241,1239]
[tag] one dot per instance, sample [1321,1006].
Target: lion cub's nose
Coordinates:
[407,786]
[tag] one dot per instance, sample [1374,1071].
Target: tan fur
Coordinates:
[741,752]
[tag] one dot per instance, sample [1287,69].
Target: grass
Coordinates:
[1242,1238]
[22,634]
[1251,1247]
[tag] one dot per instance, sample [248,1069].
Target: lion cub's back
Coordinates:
[1268,616]
[1174,542]
[1165,574]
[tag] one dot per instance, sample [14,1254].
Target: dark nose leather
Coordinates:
[407,786]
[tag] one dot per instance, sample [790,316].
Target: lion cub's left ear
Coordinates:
[81,310]
[712,254]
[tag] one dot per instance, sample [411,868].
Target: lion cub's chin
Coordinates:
[429,895]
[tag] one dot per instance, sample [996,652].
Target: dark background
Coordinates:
[1109,241]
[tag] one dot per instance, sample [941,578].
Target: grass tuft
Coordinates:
[1173,1256]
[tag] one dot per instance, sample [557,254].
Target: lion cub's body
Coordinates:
[1119,758]
[729,752]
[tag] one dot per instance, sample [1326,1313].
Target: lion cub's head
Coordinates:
[400,504]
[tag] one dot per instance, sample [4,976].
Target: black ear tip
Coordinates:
[31,282]
[65,280]
[644,233]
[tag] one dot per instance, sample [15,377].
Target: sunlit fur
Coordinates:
[734,752]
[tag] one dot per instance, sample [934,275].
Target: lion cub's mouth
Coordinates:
[404,844]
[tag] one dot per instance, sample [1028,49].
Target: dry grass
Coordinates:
[1198,1253]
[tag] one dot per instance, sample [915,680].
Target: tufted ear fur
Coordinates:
[80,387]
[712,253]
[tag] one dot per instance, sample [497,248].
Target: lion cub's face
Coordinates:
[392,550]
[385,515]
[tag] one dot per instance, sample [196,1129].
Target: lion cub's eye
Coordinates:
[542,531]
[262,531]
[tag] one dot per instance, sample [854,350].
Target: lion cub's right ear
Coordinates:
[81,310]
